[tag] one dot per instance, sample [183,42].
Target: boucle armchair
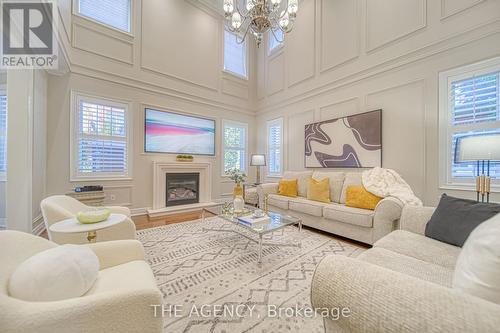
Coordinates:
[119,301]
[60,207]
[402,284]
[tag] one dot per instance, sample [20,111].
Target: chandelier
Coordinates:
[256,17]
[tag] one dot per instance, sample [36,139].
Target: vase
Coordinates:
[238,190]
[238,204]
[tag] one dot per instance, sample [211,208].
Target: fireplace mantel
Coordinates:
[160,169]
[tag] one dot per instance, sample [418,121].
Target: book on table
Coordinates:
[251,219]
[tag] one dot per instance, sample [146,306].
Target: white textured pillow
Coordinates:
[62,272]
[478,266]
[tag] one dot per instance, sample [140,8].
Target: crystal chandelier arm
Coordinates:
[276,37]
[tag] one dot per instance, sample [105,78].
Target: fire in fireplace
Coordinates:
[182,188]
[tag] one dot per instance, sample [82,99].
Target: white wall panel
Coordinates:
[93,41]
[339,32]
[390,20]
[276,74]
[300,46]
[182,41]
[339,109]
[452,7]
[403,136]
[295,142]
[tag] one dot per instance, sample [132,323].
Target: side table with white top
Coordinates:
[73,226]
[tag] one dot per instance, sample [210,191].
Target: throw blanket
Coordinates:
[388,183]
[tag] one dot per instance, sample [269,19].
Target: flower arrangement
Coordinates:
[236,176]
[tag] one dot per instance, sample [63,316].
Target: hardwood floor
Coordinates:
[144,221]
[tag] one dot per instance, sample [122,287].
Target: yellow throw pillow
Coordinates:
[318,190]
[288,187]
[359,197]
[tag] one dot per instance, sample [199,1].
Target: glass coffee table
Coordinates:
[275,222]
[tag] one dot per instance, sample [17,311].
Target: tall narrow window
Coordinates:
[235,55]
[115,13]
[101,140]
[3,134]
[275,40]
[234,146]
[470,99]
[275,147]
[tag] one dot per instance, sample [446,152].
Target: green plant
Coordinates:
[236,175]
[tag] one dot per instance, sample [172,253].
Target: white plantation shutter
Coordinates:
[3,134]
[102,138]
[475,99]
[274,146]
[115,13]
[234,146]
[235,60]
[475,110]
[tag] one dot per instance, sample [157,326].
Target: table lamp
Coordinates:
[481,149]
[258,160]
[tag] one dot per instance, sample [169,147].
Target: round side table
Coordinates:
[72,226]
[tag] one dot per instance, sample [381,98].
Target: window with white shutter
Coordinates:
[235,55]
[469,105]
[115,13]
[275,40]
[275,147]
[101,147]
[3,135]
[235,145]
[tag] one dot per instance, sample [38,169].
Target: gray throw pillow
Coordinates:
[455,218]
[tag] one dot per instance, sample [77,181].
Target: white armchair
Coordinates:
[119,301]
[60,207]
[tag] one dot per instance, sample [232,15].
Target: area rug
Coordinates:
[211,280]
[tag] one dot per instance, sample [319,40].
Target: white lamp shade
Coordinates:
[258,160]
[478,148]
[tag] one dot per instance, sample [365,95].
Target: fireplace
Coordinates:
[182,189]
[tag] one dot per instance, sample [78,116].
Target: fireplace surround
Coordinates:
[160,170]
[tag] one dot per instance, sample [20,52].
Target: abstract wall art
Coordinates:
[169,132]
[349,142]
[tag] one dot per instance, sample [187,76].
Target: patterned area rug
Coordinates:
[211,281]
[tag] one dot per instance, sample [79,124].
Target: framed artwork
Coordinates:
[170,132]
[349,142]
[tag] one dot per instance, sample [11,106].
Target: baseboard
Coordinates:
[38,225]
[138,211]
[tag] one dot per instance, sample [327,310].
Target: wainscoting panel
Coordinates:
[339,33]
[300,46]
[234,88]
[276,74]
[296,124]
[390,20]
[339,109]
[403,115]
[452,7]
[95,42]
[197,61]
[118,195]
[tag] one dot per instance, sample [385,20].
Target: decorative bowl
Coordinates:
[93,215]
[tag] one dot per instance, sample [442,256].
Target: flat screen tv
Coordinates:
[169,132]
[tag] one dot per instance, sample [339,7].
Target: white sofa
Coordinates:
[402,284]
[60,207]
[119,301]
[363,225]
